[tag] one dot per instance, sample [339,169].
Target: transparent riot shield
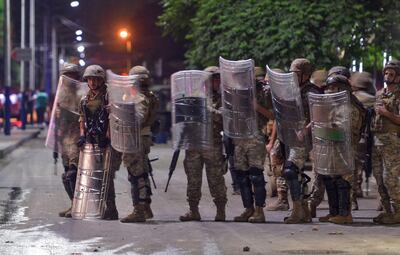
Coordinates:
[91,182]
[191,118]
[124,112]
[288,108]
[64,122]
[238,97]
[331,133]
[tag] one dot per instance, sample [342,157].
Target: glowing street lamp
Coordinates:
[125,35]
[81,48]
[78,32]
[74,4]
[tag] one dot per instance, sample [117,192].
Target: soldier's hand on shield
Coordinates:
[381,110]
[301,134]
[268,147]
[104,142]
[55,155]
[81,141]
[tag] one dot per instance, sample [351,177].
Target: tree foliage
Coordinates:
[275,32]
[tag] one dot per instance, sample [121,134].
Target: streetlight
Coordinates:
[74,4]
[80,48]
[79,38]
[125,35]
[78,32]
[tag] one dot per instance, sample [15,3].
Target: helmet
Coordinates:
[68,68]
[212,69]
[140,70]
[259,71]
[339,70]
[338,79]
[362,80]
[319,77]
[94,71]
[302,65]
[392,64]
[144,74]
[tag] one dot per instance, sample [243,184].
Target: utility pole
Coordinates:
[22,77]
[54,58]
[32,44]
[7,69]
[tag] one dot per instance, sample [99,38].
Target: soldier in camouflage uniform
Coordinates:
[364,90]
[318,186]
[338,187]
[249,164]
[93,111]
[212,159]
[295,160]
[385,159]
[138,163]
[276,158]
[70,130]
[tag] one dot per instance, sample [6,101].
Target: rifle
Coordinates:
[151,170]
[172,167]
[369,139]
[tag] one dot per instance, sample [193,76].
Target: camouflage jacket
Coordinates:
[391,100]
[148,107]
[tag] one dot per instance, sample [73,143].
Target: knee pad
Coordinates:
[134,179]
[290,171]
[256,176]
[71,175]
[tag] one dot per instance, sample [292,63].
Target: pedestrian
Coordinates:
[41,99]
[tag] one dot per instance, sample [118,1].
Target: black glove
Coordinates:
[55,155]
[104,142]
[81,141]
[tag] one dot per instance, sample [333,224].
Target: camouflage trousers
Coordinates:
[249,153]
[70,152]
[276,166]
[318,188]
[213,161]
[137,165]
[386,167]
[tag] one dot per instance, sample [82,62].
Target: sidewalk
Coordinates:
[16,139]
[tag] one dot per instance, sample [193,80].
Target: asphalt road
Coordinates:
[31,195]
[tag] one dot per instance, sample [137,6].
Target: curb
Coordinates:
[11,148]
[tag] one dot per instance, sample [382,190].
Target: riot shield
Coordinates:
[123,94]
[91,182]
[64,122]
[331,133]
[288,108]
[238,97]
[192,120]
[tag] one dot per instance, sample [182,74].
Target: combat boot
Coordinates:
[297,215]
[192,215]
[387,210]
[111,212]
[148,213]
[220,212]
[340,219]
[392,218]
[258,215]
[281,204]
[136,216]
[66,213]
[325,218]
[244,217]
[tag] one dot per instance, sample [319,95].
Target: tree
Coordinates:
[276,32]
